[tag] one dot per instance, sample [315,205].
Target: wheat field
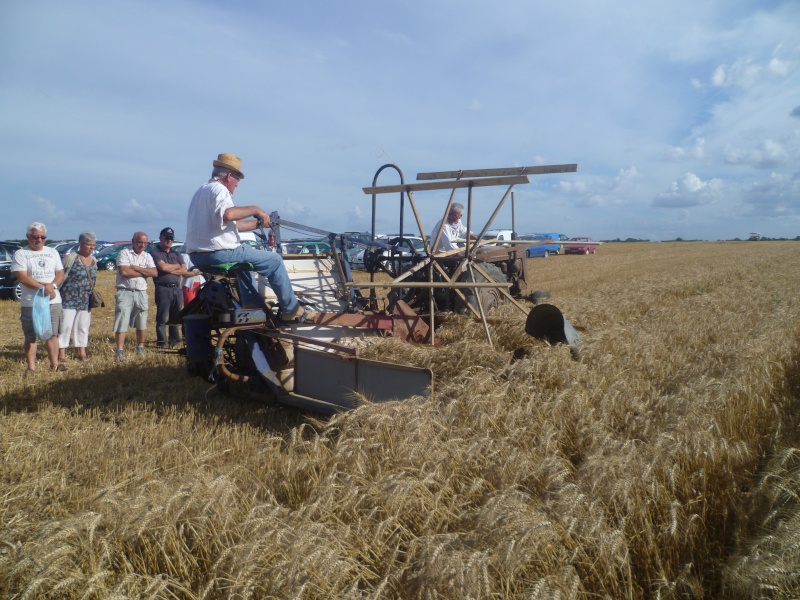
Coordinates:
[661,462]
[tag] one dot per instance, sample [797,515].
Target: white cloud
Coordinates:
[298,212]
[47,211]
[746,73]
[689,191]
[696,151]
[314,107]
[767,155]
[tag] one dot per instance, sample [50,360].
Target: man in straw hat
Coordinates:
[212,237]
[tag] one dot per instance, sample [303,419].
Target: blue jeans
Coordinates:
[169,302]
[266,264]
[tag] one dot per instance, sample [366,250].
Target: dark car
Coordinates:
[9,286]
[65,249]
[107,257]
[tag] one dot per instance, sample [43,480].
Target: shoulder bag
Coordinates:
[95,299]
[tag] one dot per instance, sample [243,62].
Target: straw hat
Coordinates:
[230,161]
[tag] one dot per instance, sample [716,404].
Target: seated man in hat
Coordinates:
[212,237]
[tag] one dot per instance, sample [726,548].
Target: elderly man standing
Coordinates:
[453,229]
[134,265]
[168,293]
[39,270]
[212,237]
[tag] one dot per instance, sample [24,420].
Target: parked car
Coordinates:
[542,249]
[58,246]
[9,286]
[356,255]
[306,247]
[587,249]
[501,235]
[107,257]
[364,236]
[65,249]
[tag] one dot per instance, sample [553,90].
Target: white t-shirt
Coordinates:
[41,266]
[206,227]
[127,257]
[450,233]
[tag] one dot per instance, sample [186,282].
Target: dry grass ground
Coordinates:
[663,463]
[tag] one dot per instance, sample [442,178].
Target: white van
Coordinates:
[501,235]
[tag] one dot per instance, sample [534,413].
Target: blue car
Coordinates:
[542,249]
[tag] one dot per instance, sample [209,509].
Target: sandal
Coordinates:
[302,314]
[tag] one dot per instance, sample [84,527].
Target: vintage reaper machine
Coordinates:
[476,277]
[311,365]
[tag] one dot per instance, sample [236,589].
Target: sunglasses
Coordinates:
[37,237]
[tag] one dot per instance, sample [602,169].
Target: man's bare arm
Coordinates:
[235,213]
[174,268]
[134,271]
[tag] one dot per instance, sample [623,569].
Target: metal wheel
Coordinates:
[111,266]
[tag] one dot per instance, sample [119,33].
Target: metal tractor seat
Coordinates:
[228,269]
[227,276]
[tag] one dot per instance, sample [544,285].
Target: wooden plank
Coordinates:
[453,285]
[446,185]
[540,170]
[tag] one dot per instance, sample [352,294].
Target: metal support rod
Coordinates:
[402,212]
[419,222]
[435,243]
[338,259]
[513,217]
[469,220]
[504,292]
[456,290]
[480,308]
[431,306]
[373,300]
[412,270]
[494,214]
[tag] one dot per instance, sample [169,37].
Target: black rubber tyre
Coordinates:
[540,296]
[490,297]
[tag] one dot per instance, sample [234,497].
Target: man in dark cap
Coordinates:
[212,237]
[168,293]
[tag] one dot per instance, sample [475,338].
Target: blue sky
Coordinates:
[683,116]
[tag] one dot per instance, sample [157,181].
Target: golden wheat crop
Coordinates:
[661,462]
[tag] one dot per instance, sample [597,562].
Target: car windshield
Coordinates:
[109,250]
